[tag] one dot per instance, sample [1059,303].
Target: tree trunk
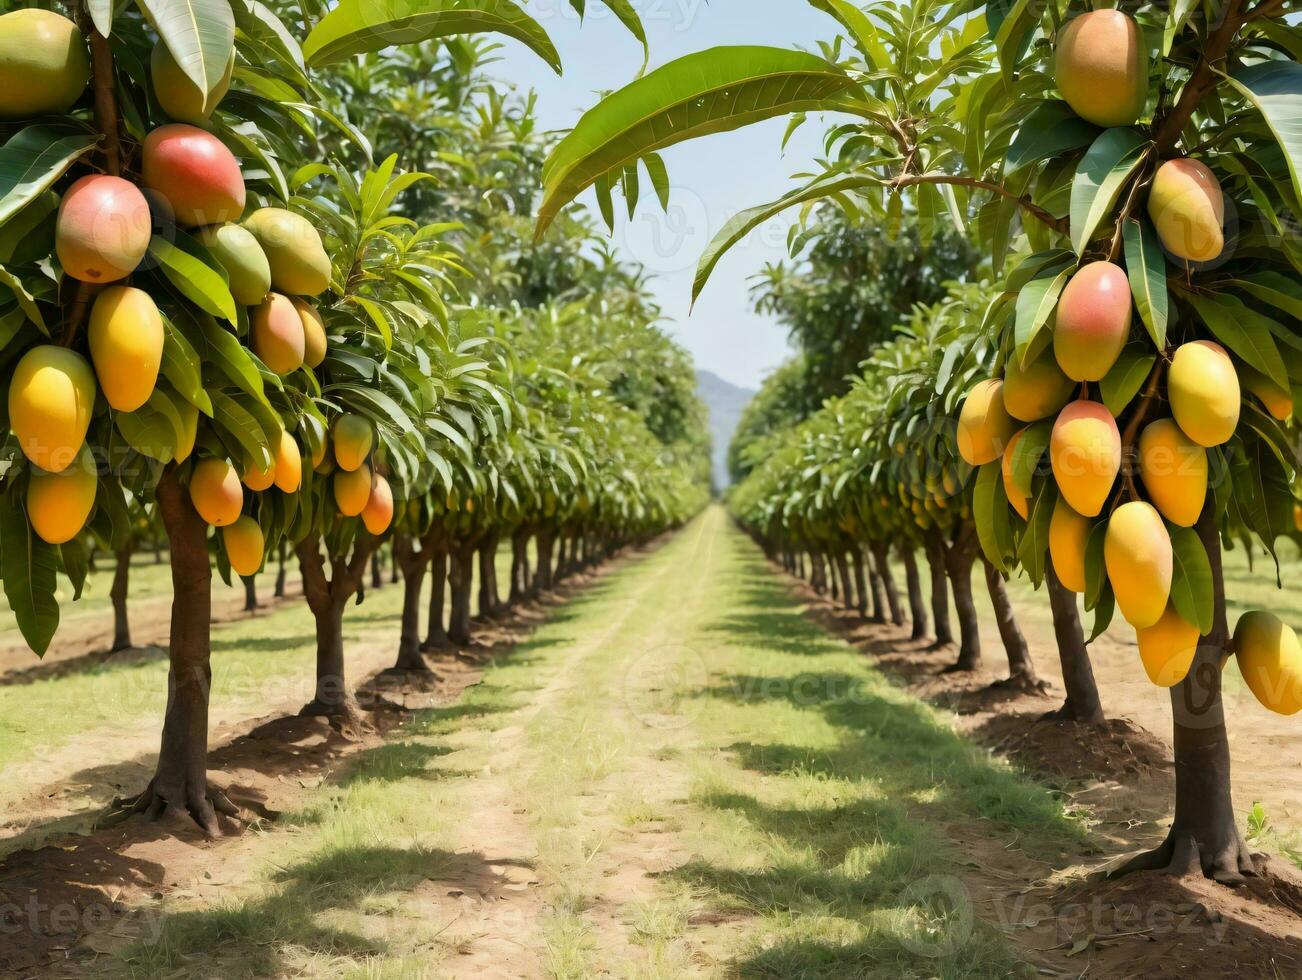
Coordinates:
[250,592]
[543,580]
[460,580]
[118,595]
[959,558]
[490,600]
[377,575]
[412,564]
[939,591]
[818,572]
[878,612]
[328,598]
[519,567]
[280,571]
[917,607]
[1082,704]
[436,635]
[843,578]
[1021,671]
[882,561]
[860,580]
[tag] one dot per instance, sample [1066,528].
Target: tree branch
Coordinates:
[1057,224]
[1167,132]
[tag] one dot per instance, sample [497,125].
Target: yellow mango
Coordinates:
[1137,554]
[1270,660]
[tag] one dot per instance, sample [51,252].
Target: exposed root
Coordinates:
[961,666]
[345,716]
[203,807]
[1022,682]
[1182,857]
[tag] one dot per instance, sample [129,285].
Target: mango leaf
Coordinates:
[712,91]
[627,14]
[223,350]
[1275,88]
[1096,572]
[1033,549]
[1123,382]
[75,559]
[860,28]
[154,429]
[197,281]
[1035,304]
[181,366]
[1146,269]
[1028,452]
[990,512]
[34,158]
[358,26]
[1050,130]
[26,301]
[29,567]
[1103,171]
[1243,330]
[1191,579]
[200,34]
[1280,291]
[1103,611]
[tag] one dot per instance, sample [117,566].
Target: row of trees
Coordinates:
[258,277]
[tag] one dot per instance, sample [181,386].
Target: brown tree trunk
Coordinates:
[843,575]
[436,634]
[913,581]
[460,581]
[543,579]
[490,600]
[818,572]
[959,558]
[413,564]
[519,567]
[279,593]
[118,595]
[250,592]
[1021,671]
[1082,704]
[328,598]
[860,579]
[882,561]
[877,614]
[939,590]
[377,575]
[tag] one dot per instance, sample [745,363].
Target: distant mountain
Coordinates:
[725,402]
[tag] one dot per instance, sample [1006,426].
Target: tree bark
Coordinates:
[519,567]
[377,575]
[882,561]
[913,581]
[860,579]
[250,592]
[878,612]
[328,598]
[939,590]
[460,581]
[279,593]
[843,575]
[412,564]
[490,600]
[543,579]
[1021,670]
[1082,704]
[959,558]
[118,595]
[818,572]
[436,634]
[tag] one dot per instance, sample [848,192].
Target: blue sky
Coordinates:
[711,179]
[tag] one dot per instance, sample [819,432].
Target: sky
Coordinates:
[711,179]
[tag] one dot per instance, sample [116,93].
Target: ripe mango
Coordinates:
[299,264]
[189,430]
[1188,210]
[244,545]
[1270,660]
[126,345]
[1035,391]
[44,67]
[51,396]
[1019,501]
[103,229]
[353,490]
[1093,321]
[239,253]
[58,504]
[1167,648]
[1068,536]
[353,437]
[177,93]
[215,491]
[314,335]
[1277,400]
[195,172]
[1100,62]
[1174,470]
[1204,391]
[289,464]
[984,425]
[258,477]
[1137,553]
[1085,451]
[277,331]
[377,515]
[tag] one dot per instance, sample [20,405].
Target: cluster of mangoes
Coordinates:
[1101,68]
[274,260]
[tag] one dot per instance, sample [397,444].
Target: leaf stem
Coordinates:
[1057,224]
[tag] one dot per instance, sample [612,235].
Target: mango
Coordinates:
[126,345]
[299,264]
[377,515]
[352,490]
[1297,517]
[277,331]
[215,491]
[1019,501]
[323,461]
[1204,391]
[44,66]
[1035,391]
[1068,536]
[195,172]
[1188,210]
[1270,660]
[289,464]
[1100,63]
[189,430]
[314,335]
[984,425]
[1137,553]
[258,477]
[1167,648]
[1093,321]
[244,545]
[1085,452]
[103,229]
[59,504]
[353,437]
[1174,470]
[51,396]
[177,93]
[239,253]
[1277,401]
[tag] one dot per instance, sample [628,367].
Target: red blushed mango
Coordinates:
[377,515]
[197,174]
[1188,210]
[1093,321]
[1100,62]
[278,334]
[103,229]
[1085,451]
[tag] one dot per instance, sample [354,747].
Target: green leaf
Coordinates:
[358,26]
[1103,611]
[153,429]
[990,512]
[1146,269]
[76,563]
[1050,130]
[29,567]
[34,158]
[1028,452]
[223,350]
[712,91]
[1282,292]
[1191,579]
[1103,171]
[860,29]
[1275,88]
[1035,304]
[181,366]
[200,34]
[198,282]
[1123,382]
[1033,549]
[1096,572]
[659,177]
[627,14]
[1244,331]
[26,301]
